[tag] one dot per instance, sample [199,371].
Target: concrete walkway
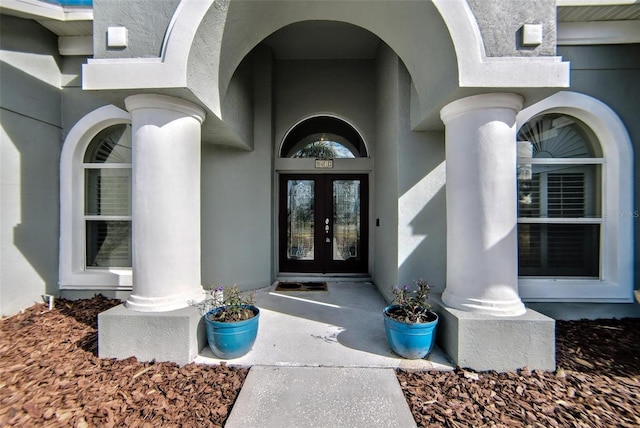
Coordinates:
[341,327]
[331,397]
[321,359]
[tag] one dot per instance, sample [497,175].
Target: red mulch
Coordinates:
[50,375]
[597,384]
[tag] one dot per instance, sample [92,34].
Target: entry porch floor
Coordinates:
[340,327]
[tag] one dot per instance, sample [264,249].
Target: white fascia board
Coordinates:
[568,3]
[35,9]
[75,45]
[131,73]
[598,32]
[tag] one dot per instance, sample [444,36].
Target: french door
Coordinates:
[323,223]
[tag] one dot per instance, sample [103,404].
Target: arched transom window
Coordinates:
[323,137]
[324,146]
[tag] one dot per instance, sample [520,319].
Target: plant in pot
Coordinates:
[231,321]
[409,321]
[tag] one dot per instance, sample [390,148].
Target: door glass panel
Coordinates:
[300,216]
[346,219]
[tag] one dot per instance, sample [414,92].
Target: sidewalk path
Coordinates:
[314,397]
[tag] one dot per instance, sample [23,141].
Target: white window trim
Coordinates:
[73,274]
[616,259]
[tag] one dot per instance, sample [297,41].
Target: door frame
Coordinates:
[325,266]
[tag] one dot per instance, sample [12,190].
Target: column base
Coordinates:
[175,336]
[165,303]
[500,308]
[484,342]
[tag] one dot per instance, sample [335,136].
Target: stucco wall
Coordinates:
[500,23]
[76,103]
[309,87]
[146,21]
[385,189]
[237,198]
[610,74]
[237,107]
[410,242]
[422,219]
[30,152]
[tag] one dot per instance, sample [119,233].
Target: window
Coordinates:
[322,147]
[575,202]
[95,202]
[323,137]
[107,202]
[559,198]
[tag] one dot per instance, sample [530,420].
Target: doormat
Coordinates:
[301,286]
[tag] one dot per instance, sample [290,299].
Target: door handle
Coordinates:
[326,230]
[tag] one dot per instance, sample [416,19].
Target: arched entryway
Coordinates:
[323,214]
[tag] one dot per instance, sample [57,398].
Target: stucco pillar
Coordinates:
[482,247]
[166,202]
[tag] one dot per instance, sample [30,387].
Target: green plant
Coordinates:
[232,303]
[412,304]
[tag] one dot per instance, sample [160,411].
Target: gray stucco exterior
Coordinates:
[254,90]
[610,73]
[501,21]
[31,140]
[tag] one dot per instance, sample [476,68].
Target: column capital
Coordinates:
[496,100]
[164,102]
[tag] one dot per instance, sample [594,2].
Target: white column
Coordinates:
[166,202]
[482,246]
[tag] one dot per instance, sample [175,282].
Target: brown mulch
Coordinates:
[50,375]
[597,384]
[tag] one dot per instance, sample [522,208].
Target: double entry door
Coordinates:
[323,223]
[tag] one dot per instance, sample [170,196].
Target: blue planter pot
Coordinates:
[412,341]
[229,340]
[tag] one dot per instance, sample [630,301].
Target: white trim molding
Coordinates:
[73,274]
[615,283]
[598,33]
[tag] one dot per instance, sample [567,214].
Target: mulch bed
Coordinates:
[597,384]
[50,375]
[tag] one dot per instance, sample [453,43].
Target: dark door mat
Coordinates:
[301,286]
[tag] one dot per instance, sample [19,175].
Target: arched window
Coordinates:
[323,137]
[559,198]
[95,202]
[323,146]
[107,207]
[574,202]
